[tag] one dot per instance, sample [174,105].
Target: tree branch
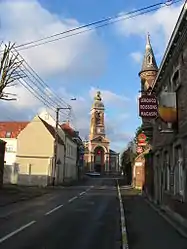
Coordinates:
[10,68]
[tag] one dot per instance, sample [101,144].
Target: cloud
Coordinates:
[110,98]
[24,98]
[137,56]
[159,24]
[80,115]
[28,20]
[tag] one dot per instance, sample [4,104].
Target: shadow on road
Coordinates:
[146,228]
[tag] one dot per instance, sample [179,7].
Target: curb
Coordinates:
[172,223]
[123,223]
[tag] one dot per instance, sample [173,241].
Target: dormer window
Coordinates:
[149,59]
[8,134]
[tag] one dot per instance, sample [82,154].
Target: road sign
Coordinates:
[139,150]
[148,106]
[141,139]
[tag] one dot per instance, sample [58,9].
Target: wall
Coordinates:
[139,172]
[10,169]
[60,167]
[166,177]
[71,158]
[2,153]
[35,147]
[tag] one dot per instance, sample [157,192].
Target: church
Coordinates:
[98,156]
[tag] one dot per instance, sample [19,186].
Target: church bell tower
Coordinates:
[98,146]
[97,124]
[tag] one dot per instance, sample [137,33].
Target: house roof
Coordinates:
[13,127]
[68,130]
[113,152]
[52,131]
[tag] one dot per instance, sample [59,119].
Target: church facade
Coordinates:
[98,156]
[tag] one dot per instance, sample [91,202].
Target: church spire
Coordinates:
[149,61]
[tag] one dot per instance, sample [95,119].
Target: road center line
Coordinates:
[54,209]
[17,231]
[123,225]
[82,193]
[72,199]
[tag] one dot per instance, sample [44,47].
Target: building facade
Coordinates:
[8,133]
[98,156]
[168,132]
[35,154]
[2,155]
[170,128]
[67,135]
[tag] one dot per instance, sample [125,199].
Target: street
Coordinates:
[86,217]
[74,217]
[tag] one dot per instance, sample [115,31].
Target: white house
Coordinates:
[66,133]
[9,132]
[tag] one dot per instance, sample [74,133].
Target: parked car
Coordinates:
[93,174]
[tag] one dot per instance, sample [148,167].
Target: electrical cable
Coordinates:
[109,20]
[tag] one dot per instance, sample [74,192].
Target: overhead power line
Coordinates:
[37,87]
[95,25]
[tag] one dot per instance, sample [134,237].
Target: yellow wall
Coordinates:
[35,140]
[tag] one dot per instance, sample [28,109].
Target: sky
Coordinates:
[106,59]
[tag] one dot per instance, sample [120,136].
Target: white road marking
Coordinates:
[17,231]
[72,199]
[82,193]
[123,225]
[54,209]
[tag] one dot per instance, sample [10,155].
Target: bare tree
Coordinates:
[10,71]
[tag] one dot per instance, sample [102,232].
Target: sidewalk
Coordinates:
[12,193]
[146,228]
[173,218]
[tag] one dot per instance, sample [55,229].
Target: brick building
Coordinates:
[168,132]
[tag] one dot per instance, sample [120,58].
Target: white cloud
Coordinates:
[81,114]
[137,56]
[159,24]
[77,56]
[110,98]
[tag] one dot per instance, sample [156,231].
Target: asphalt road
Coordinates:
[145,227]
[85,217]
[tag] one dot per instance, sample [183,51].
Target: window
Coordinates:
[149,59]
[175,80]
[8,134]
[166,172]
[9,148]
[179,173]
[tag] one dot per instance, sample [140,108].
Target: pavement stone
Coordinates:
[146,228]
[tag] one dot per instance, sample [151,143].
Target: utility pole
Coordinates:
[56,143]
